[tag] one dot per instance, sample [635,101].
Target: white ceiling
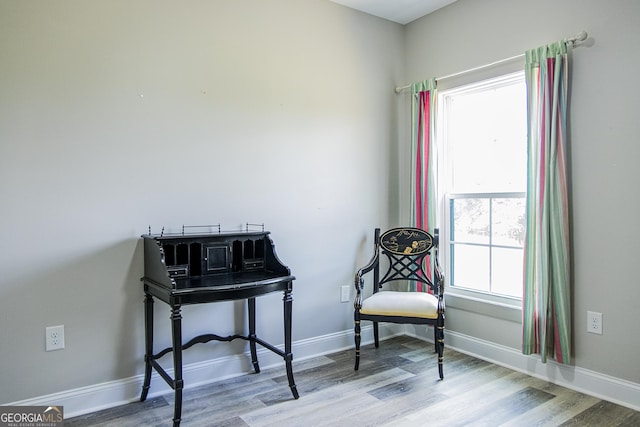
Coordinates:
[400,11]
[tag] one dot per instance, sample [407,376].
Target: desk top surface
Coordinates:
[209,288]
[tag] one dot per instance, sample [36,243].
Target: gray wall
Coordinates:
[116,115]
[604,150]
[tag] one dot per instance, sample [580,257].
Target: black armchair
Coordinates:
[407,249]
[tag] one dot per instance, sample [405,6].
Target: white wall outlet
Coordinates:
[345,293]
[54,338]
[594,322]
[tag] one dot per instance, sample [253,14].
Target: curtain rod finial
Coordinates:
[580,37]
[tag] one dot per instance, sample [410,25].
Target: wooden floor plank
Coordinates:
[605,414]
[465,401]
[324,399]
[502,410]
[564,406]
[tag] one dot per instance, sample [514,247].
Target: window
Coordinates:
[482,133]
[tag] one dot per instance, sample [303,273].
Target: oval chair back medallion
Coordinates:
[406,241]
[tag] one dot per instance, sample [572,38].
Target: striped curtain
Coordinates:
[423,161]
[546,322]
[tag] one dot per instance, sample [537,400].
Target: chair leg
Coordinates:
[435,338]
[376,336]
[357,340]
[440,347]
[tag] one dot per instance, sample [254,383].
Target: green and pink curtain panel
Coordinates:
[546,322]
[423,161]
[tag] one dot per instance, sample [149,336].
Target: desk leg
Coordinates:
[252,334]
[288,355]
[148,336]
[178,384]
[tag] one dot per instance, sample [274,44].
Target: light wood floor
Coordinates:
[397,385]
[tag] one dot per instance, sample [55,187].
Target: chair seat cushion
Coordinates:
[406,304]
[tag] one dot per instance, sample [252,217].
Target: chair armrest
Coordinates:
[358,282]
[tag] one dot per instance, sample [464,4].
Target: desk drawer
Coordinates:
[178,271]
[253,264]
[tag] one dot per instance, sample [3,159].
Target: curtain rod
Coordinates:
[581,36]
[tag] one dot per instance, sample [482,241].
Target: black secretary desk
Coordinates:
[196,267]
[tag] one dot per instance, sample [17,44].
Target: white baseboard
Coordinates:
[616,390]
[113,393]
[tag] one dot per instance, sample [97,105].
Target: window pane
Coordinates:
[486,134]
[506,271]
[508,221]
[470,267]
[470,220]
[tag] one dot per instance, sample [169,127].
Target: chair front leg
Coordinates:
[435,338]
[356,318]
[440,344]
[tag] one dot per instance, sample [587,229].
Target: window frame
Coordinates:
[505,74]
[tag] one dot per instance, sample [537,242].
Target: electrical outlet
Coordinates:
[54,338]
[345,293]
[594,322]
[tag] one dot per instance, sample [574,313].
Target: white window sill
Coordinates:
[510,310]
